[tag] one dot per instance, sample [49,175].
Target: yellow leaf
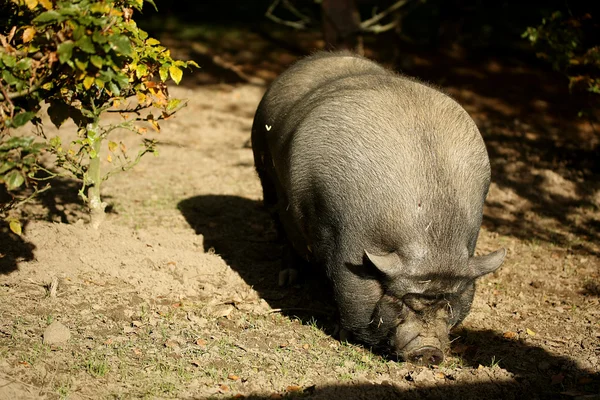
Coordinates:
[47,4]
[15,226]
[109,158]
[116,103]
[176,73]
[112,146]
[141,97]
[530,332]
[155,125]
[88,81]
[31,4]
[28,34]
[142,130]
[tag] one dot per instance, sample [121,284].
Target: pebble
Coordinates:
[56,333]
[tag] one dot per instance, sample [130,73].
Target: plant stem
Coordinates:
[95,178]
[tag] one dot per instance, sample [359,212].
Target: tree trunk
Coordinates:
[95,203]
[341,25]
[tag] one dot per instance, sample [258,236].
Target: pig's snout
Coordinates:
[424,351]
[426,355]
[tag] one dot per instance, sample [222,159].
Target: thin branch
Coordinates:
[369,25]
[135,110]
[300,25]
[15,204]
[126,167]
[382,28]
[16,95]
[295,11]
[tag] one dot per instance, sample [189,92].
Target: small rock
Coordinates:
[56,333]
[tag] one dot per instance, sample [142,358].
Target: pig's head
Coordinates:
[420,305]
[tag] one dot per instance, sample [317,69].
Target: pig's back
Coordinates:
[388,156]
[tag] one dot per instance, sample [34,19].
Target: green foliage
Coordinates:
[572,45]
[83,58]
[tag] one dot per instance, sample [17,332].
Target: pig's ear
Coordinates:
[482,265]
[388,263]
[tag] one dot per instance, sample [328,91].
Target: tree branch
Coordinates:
[300,25]
[369,25]
[22,93]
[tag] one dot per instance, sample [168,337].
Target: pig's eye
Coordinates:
[421,302]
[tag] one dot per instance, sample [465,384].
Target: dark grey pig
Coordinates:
[380,180]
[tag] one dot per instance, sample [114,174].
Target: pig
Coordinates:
[380,180]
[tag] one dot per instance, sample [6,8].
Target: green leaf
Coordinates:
[22,118]
[55,141]
[152,2]
[82,65]
[173,104]
[9,78]
[14,179]
[176,73]
[99,38]
[85,44]
[8,165]
[141,70]
[17,142]
[65,51]
[8,60]
[114,89]
[96,61]
[24,64]
[121,44]
[48,17]
[164,72]
[152,42]
[122,80]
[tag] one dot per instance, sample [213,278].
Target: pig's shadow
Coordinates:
[242,233]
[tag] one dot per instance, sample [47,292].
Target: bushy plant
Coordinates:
[572,45]
[83,58]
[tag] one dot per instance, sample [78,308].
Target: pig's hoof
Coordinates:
[287,277]
[427,355]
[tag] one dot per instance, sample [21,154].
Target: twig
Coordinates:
[370,24]
[126,167]
[16,95]
[295,11]
[53,288]
[278,310]
[300,25]
[19,203]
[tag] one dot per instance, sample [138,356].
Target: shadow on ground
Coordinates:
[61,203]
[241,231]
[14,249]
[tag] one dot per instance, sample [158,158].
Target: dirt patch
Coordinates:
[176,295]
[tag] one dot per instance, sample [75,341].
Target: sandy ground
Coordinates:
[176,295]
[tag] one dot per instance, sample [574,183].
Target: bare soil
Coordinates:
[176,295]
